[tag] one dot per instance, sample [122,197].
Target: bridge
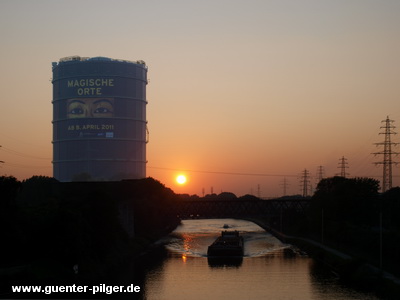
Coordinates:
[240,209]
[277,214]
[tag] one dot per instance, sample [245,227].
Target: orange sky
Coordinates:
[236,88]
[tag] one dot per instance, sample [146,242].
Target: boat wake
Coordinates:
[256,244]
[192,238]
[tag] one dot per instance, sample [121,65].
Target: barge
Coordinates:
[230,243]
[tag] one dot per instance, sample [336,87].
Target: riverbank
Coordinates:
[351,269]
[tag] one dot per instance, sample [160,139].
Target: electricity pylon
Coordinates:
[284,184]
[343,165]
[1,160]
[320,174]
[305,181]
[387,154]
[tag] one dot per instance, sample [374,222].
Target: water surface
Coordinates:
[269,269]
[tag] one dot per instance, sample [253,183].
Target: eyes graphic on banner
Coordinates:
[90,108]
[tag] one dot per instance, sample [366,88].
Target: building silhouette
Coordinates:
[99,119]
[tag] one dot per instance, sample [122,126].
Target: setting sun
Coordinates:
[181,179]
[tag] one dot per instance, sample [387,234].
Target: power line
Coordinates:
[305,182]
[387,154]
[225,173]
[320,174]
[11,151]
[343,165]
[7,164]
[239,174]
[284,184]
[1,161]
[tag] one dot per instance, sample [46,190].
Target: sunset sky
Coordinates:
[240,94]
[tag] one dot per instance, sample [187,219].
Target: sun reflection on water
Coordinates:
[187,241]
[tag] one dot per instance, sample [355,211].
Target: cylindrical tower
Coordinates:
[99,119]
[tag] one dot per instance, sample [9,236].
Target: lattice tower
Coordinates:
[320,174]
[305,182]
[343,165]
[284,185]
[387,154]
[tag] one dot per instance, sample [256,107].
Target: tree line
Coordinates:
[54,232]
[350,214]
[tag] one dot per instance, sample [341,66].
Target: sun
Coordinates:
[181,179]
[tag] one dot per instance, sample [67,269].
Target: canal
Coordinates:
[269,269]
